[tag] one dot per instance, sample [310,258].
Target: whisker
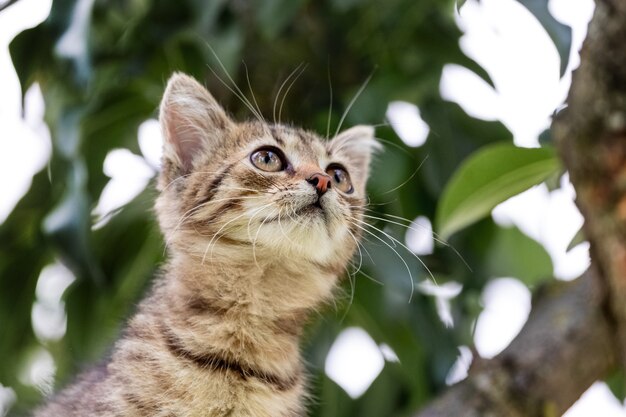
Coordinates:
[280,226]
[236,91]
[241,97]
[404,246]
[374,280]
[395,251]
[352,276]
[192,211]
[436,237]
[209,245]
[330,104]
[356,96]
[280,110]
[215,235]
[258,210]
[185,176]
[252,92]
[408,179]
[281,88]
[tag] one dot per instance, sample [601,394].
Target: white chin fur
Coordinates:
[314,243]
[315,236]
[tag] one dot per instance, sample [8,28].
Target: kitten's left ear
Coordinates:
[357,145]
[192,122]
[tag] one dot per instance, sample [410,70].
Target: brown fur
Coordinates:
[249,258]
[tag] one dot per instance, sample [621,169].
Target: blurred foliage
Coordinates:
[487,178]
[96,99]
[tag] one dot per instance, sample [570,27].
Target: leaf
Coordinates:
[512,253]
[578,238]
[617,384]
[560,34]
[489,177]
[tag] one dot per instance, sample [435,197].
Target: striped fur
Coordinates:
[249,259]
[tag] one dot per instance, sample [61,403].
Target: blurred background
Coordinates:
[80,84]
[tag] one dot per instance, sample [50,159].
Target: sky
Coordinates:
[492,30]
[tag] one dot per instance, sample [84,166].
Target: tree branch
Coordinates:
[591,134]
[564,347]
[569,340]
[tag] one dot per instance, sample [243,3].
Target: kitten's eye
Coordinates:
[267,160]
[340,179]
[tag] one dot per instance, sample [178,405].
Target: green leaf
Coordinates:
[578,238]
[560,34]
[489,177]
[512,253]
[617,384]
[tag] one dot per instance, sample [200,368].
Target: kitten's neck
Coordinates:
[243,310]
[262,282]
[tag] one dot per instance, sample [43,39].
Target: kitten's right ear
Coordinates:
[192,122]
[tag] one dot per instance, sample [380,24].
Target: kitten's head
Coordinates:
[270,189]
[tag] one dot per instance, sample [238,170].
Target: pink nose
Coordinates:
[321,182]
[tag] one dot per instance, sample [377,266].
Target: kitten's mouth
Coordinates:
[313,208]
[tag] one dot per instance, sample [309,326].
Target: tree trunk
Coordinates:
[576,333]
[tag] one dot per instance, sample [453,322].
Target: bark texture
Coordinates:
[576,333]
[564,347]
[591,135]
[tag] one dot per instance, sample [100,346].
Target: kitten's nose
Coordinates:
[321,182]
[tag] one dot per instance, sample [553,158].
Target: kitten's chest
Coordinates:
[219,394]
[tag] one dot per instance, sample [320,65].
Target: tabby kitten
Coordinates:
[260,220]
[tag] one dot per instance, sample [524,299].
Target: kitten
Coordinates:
[260,220]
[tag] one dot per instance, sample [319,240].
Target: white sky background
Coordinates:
[500,35]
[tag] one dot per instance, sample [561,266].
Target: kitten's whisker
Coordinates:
[393,239]
[281,88]
[356,96]
[352,276]
[330,105]
[436,237]
[385,124]
[185,176]
[405,247]
[374,280]
[369,255]
[215,235]
[173,181]
[370,204]
[390,247]
[257,210]
[252,92]
[240,96]
[238,93]
[259,193]
[280,110]
[255,240]
[280,226]
[295,213]
[292,214]
[408,179]
[352,281]
[181,177]
[358,245]
[192,211]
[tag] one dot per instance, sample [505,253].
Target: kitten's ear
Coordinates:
[356,144]
[191,121]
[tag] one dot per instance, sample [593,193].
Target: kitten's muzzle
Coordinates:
[320,181]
